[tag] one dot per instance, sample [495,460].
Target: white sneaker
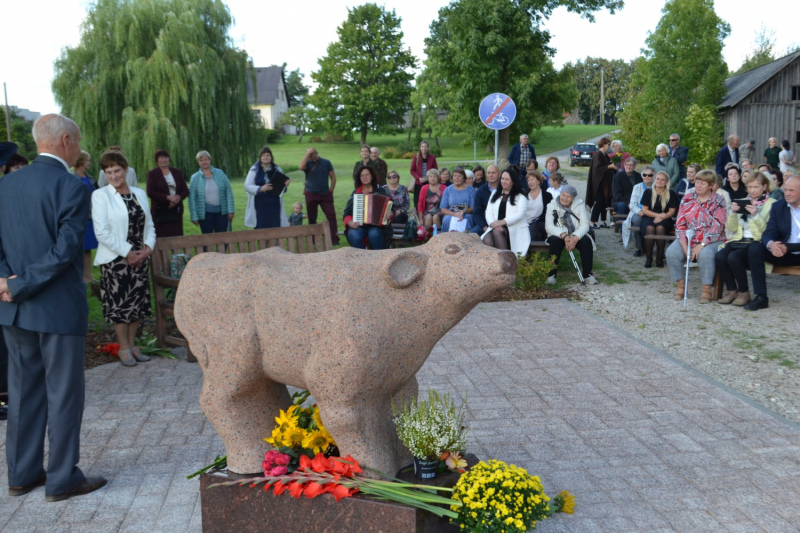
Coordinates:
[551,280]
[590,280]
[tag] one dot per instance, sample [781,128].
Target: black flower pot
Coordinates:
[425,468]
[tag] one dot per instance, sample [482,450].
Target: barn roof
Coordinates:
[739,87]
[268,79]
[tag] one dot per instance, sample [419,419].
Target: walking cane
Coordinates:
[689,235]
[571,255]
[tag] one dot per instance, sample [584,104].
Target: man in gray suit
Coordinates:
[44,313]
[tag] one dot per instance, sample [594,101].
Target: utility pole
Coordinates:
[8,115]
[602,99]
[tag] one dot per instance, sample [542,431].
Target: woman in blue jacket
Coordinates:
[210,197]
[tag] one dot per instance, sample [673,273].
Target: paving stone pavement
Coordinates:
[645,444]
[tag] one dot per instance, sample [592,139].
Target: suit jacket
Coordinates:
[681,156]
[44,211]
[779,226]
[482,196]
[111,224]
[724,157]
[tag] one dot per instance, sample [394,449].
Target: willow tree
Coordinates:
[152,74]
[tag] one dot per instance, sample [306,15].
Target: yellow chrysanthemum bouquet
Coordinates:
[299,431]
[500,498]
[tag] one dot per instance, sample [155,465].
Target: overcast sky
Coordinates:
[298,33]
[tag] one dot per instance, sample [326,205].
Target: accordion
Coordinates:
[373,209]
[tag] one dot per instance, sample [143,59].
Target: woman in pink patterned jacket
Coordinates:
[702,216]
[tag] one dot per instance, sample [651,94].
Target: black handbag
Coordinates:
[166,215]
[739,245]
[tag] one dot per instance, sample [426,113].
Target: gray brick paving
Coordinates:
[645,444]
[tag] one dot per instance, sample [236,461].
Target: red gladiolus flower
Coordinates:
[340,491]
[296,489]
[313,490]
[278,488]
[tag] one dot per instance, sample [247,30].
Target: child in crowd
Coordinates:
[297,216]
[556,182]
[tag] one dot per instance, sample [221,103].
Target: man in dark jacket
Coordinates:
[622,186]
[482,195]
[521,154]
[678,153]
[44,313]
[783,228]
[728,154]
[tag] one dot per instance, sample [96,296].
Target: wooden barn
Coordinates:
[765,102]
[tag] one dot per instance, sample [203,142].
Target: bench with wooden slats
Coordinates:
[296,239]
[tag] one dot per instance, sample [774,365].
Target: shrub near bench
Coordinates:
[296,239]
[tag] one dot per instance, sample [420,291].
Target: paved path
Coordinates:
[645,444]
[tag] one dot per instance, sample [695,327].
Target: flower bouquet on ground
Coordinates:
[433,431]
[497,497]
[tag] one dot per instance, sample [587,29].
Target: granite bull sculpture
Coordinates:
[351,326]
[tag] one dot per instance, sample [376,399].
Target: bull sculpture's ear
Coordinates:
[404,268]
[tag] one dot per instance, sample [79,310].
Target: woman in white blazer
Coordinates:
[505,216]
[126,237]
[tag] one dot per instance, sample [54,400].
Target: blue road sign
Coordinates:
[497,111]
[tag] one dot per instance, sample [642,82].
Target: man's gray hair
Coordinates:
[675,135]
[52,127]
[376,149]
[202,153]
[632,160]
[523,136]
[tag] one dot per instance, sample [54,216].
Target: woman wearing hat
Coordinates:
[567,225]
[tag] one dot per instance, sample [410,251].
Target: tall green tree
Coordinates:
[430,100]
[296,90]
[616,75]
[681,66]
[762,53]
[21,132]
[364,80]
[479,47]
[152,74]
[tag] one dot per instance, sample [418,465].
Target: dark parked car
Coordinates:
[581,153]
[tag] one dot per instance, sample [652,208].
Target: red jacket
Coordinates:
[416,166]
[423,194]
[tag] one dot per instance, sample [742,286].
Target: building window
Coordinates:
[795,92]
[797,137]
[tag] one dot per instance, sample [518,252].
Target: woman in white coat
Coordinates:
[567,226]
[126,237]
[505,216]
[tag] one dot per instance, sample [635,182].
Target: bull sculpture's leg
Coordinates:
[241,404]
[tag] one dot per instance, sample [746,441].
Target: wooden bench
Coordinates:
[719,286]
[296,239]
[669,238]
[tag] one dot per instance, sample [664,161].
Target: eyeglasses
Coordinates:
[647,175]
[393,176]
[673,140]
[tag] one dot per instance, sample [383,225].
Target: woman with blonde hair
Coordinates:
[659,205]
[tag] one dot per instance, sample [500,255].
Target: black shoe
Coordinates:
[660,262]
[759,302]
[648,262]
[89,484]
[637,253]
[25,489]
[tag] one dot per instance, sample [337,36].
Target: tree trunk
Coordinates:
[437,143]
[410,125]
[300,139]
[502,152]
[364,133]
[419,126]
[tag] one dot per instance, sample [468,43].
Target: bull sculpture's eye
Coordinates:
[452,249]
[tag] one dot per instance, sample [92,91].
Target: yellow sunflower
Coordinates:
[567,502]
[286,419]
[294,437]
[277,437]
[316,441]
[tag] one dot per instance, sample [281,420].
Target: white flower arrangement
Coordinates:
[428,428]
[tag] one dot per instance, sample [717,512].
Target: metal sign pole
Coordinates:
[496,143]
